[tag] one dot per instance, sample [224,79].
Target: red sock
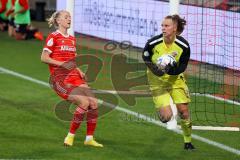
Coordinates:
[77,119]
[92,116]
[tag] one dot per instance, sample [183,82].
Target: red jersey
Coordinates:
[61,48]
[3,4]
[13,1]
[24,4]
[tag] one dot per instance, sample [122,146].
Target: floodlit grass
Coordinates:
[30,128]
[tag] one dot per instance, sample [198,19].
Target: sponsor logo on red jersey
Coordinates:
[68,48]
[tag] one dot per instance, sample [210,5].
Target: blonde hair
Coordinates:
[53,19]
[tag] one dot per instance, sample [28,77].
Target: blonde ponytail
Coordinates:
[53,19]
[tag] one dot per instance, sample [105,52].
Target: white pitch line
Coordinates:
[148,119]
[217,98]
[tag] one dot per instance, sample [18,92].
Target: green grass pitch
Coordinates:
[29,128]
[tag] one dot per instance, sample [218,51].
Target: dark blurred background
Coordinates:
[41,9]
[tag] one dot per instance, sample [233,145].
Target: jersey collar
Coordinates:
[165,45]
[63,34]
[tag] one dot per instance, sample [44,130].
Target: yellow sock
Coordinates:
[186,126]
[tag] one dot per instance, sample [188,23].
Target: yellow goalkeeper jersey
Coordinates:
[154,49]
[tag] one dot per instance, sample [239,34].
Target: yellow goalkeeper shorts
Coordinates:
[162,97]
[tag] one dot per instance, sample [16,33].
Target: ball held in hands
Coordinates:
[165,62]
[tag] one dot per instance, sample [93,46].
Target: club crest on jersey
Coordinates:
[50,42]
[174,54]
[67,48]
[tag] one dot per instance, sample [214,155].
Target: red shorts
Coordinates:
[64,86]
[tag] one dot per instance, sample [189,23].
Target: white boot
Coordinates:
[172,124]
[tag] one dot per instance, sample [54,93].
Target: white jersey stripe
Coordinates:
[177,40]
[46,49]
[155,41]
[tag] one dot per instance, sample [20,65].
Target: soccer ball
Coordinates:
[165,60]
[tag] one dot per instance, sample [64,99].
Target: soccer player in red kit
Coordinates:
[8,14]
[22,21]
[59,52]
[3,18]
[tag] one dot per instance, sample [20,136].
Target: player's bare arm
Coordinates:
[45,58]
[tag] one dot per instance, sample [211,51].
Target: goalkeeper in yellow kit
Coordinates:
[168,81]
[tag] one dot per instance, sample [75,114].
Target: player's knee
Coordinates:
[85,104]
[165,114]
[164,118]
[93,103]
[184,114]
[82,101]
